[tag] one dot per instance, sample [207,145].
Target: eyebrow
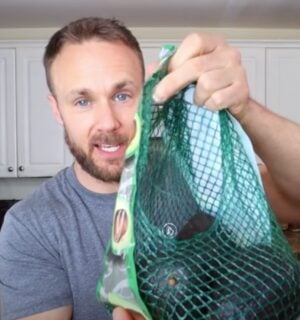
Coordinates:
[78,92]
[87,92]
[124,83]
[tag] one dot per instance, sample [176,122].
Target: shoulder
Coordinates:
[43,205]
[36,222]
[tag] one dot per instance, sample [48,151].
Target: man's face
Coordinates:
[97,87]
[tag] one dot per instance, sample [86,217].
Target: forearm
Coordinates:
[286,210]
[277,142]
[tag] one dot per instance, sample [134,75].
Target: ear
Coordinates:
[55,110]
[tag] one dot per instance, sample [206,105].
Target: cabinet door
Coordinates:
[283,82]
[7,114]
[41,147]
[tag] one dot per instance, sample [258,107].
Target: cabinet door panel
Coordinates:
[41,147]
[283,82]
[7,114]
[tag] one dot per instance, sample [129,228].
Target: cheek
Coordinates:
[129,125]
[78,130]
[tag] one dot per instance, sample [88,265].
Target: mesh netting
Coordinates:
[207,243]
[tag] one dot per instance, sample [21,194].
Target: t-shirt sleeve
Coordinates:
[32,277]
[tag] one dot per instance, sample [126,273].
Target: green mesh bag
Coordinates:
[193,235]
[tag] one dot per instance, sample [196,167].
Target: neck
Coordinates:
[92,183]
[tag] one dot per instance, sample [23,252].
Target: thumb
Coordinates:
[122,314]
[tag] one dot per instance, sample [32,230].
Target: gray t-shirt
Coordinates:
[51,250]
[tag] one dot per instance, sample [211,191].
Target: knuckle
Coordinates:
[200,97]
[205,82]
[198,100]
[218,99]
[234,55]
[201,39]
[196,38]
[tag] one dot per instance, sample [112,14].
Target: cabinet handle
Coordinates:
[21,168]
[10,169]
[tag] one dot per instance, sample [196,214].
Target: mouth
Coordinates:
[109,148]
[110,151]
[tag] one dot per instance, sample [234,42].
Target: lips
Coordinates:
[108,151]
[109,148]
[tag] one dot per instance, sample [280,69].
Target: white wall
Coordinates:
[163,33]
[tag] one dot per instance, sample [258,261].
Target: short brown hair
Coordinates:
[111,30]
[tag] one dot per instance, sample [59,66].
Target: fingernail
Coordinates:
[157,98]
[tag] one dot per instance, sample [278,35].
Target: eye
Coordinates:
[82,103]
[121,97]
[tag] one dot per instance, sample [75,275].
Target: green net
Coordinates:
[207,245]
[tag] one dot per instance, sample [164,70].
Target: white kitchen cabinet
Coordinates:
[283,81]
[32,143]
[7,113]
[39,148]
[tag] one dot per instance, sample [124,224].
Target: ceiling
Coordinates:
[154,13]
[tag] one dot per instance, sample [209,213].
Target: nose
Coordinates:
[106,119]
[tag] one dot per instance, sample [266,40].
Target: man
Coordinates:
[52,243]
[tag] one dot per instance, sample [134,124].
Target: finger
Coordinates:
[213,81]
[122,314]
[137,316]
[235,97]
[194,45]
[191,70]
[151,68]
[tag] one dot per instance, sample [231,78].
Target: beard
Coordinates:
[111,169]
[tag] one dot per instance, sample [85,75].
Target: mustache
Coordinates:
[108,139]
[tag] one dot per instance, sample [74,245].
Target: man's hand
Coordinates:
[122,314]
[215,67]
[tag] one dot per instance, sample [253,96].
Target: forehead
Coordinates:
[96,60]
[101,50]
